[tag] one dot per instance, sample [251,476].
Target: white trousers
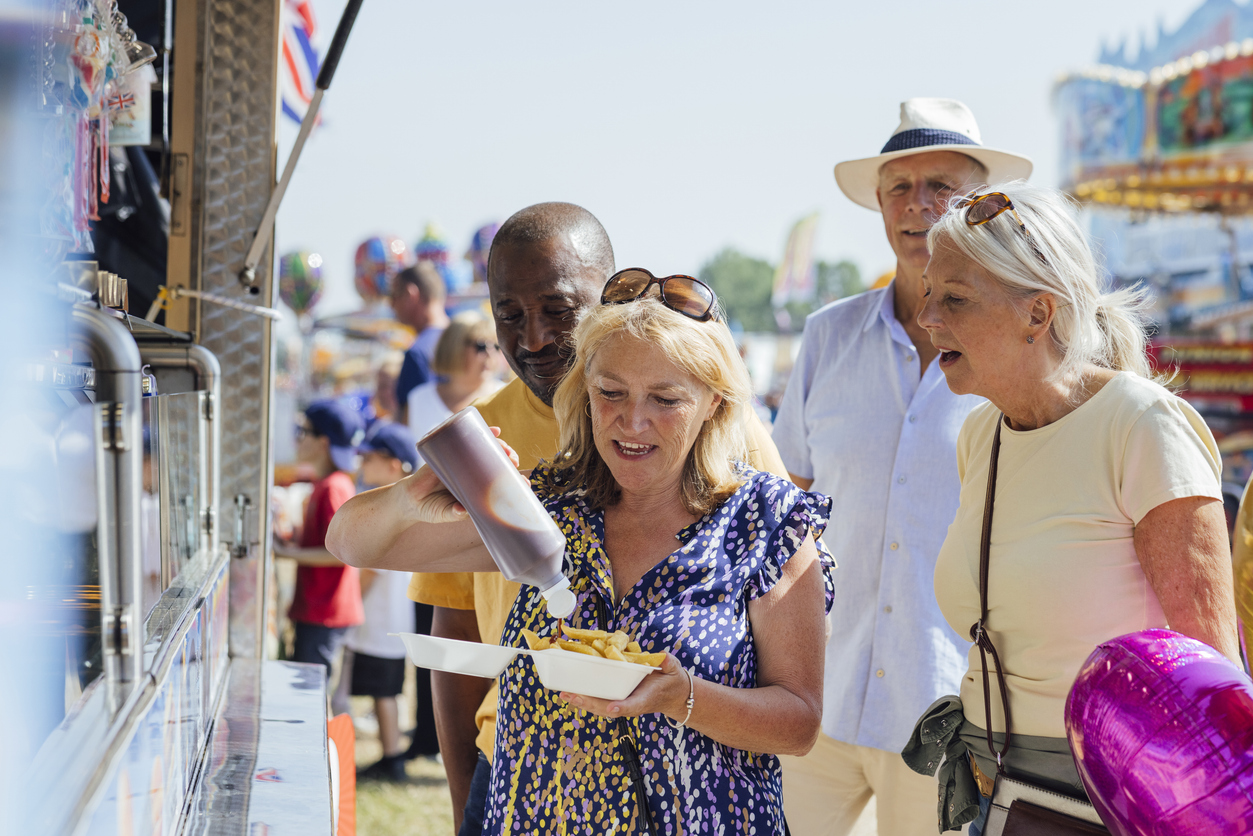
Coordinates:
[825,791]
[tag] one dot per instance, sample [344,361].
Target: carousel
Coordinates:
[1162,162]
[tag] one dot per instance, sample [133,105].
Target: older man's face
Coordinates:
[537,292]
[913,193]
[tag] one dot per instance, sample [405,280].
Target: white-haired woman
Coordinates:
[1108,507]
[673,541]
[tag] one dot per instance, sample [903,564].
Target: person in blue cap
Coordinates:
[388,454]
[328,594]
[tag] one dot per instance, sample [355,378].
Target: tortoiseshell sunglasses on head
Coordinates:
[689,296]
[986,207]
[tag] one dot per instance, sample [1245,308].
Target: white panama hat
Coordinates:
[928,125]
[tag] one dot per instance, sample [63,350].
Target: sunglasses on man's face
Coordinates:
[304,430]
[689,296]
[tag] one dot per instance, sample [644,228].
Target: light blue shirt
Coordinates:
[882,443]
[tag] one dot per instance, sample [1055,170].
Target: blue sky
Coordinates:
[685,127]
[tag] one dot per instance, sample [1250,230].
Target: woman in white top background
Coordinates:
[1108,507]
[467,363]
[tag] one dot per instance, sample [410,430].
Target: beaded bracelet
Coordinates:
[691,692]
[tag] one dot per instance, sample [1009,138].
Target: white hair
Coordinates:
[1091,326]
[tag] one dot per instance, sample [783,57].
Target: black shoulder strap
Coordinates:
[626,741]
[978,631]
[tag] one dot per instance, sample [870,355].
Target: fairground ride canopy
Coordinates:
[1177,138]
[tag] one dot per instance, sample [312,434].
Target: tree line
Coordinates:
[744,285]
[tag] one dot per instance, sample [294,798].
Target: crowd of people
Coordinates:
[341,618]
[827,592]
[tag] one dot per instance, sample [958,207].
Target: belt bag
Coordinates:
[1019,808]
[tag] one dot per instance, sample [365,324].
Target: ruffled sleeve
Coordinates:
[786,515]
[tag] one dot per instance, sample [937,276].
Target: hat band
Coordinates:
[922,137]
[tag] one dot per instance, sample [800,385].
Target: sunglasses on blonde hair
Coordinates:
[684,294]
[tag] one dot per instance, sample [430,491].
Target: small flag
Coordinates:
[121,100]
[299,59]
[794,278]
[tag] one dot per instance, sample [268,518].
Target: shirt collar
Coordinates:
[886,313]
[887,308]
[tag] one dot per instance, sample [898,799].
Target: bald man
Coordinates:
[547,263]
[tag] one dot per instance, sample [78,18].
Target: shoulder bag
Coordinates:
[1019,808]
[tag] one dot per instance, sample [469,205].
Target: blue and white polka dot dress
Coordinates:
[558,769]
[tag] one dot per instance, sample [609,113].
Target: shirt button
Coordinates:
[909,358]
[879,673]
[894,546]
[913,418]
[900,480]
[888,608]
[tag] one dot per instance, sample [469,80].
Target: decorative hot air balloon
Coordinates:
[300,280]
[480,248]
[433,248]
[378,260]
[1161,727]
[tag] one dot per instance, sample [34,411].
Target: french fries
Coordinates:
[616,645]
[535,641]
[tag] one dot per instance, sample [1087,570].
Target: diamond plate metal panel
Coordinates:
[233,174]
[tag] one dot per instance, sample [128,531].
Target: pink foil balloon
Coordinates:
[1161,727]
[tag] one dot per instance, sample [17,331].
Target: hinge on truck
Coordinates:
[118,629]
[114,432]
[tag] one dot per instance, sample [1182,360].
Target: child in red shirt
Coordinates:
[328,593]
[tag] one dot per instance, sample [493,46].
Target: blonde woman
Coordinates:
[673,541]
[467,362]
[1108,507]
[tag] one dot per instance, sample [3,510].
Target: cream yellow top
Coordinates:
[1064,575]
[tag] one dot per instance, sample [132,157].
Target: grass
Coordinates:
[418,806]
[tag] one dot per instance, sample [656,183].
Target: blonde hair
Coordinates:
[706,351]
[1091,326]
[391,363]
[465,329]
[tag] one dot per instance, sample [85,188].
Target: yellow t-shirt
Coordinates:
[530,428]
[1064,575]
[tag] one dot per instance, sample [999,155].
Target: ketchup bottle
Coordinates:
[519,534]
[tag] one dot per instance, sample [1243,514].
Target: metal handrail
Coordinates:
[115,357]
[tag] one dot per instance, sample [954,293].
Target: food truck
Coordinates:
[138,585]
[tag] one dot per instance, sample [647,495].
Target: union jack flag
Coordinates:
[299,59]
[121,100]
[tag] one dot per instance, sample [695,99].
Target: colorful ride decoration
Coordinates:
[433,247]
[377,262]
[1161,728]
[480,248]
[1217,379]
[300,280]
[1177,138]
